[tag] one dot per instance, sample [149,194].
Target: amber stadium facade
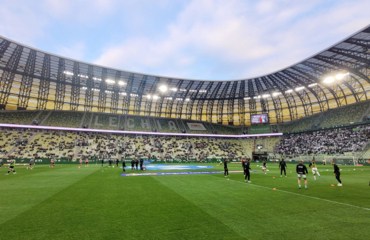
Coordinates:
[32,79]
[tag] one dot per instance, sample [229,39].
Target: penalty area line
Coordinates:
[317,198]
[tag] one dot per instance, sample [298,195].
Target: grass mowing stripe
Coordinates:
[300,194]
[105,205]
[259,214]
[27,188]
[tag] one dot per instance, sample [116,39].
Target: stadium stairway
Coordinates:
[82,120]
[15,147]
[366,113]
[323,117]
[44,120]
[35,117]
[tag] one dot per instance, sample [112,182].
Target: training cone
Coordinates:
[274,189]
[332,185]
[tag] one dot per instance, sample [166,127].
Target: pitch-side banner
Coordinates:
[196,126]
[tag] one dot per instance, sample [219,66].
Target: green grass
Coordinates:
[97,203]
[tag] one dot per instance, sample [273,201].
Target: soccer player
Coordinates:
[282,166]
[110,162]
[117,161]
[313,167]
[226,170]
[1,163]
[51,163]
[246,171]
[123,165]
[141,164]
[132,164]
[264,167]
[86,162]
[302,171]
[137,164]
[102,162]
[32,163]
[243,166]
[337,173]
[11,167]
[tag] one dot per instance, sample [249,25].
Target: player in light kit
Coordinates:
[80,162]
[32,163]
[1,163]
[11,167]
[313,167]
[51,163]
[302,171]
[86,162]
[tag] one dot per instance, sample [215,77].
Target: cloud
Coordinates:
[20,23]
[75,51]
[262,37]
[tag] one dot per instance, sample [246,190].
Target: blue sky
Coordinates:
[198,39]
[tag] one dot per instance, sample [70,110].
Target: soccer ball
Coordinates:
[113,166]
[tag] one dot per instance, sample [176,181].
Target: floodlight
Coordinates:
[163,88]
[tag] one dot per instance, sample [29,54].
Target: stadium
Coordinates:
[67,128]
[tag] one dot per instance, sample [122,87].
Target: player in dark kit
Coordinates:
[243,165]
[282,166]
[226,170]
[246,171]
[110,162]
[123,165]
[141,164]
[132,164]
[102,162]
[117,161]
[137,164]
[302,171]
[337,173]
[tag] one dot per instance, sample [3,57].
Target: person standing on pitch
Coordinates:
[314,169]
[123,165]
[282,166]
[110,162]
[102,162]
[117,161]
[264,166]
[302,171]
[243,166]
[141,164]
[132,164]
[246,171]
[32,163]
[337,173]
[86,162]
[137,164]
[11,167]
[1,163]
[226,170]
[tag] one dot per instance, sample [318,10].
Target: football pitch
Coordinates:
[98,203]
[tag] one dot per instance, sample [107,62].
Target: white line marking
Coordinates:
[323,199]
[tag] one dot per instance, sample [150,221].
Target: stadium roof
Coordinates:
[337,76]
